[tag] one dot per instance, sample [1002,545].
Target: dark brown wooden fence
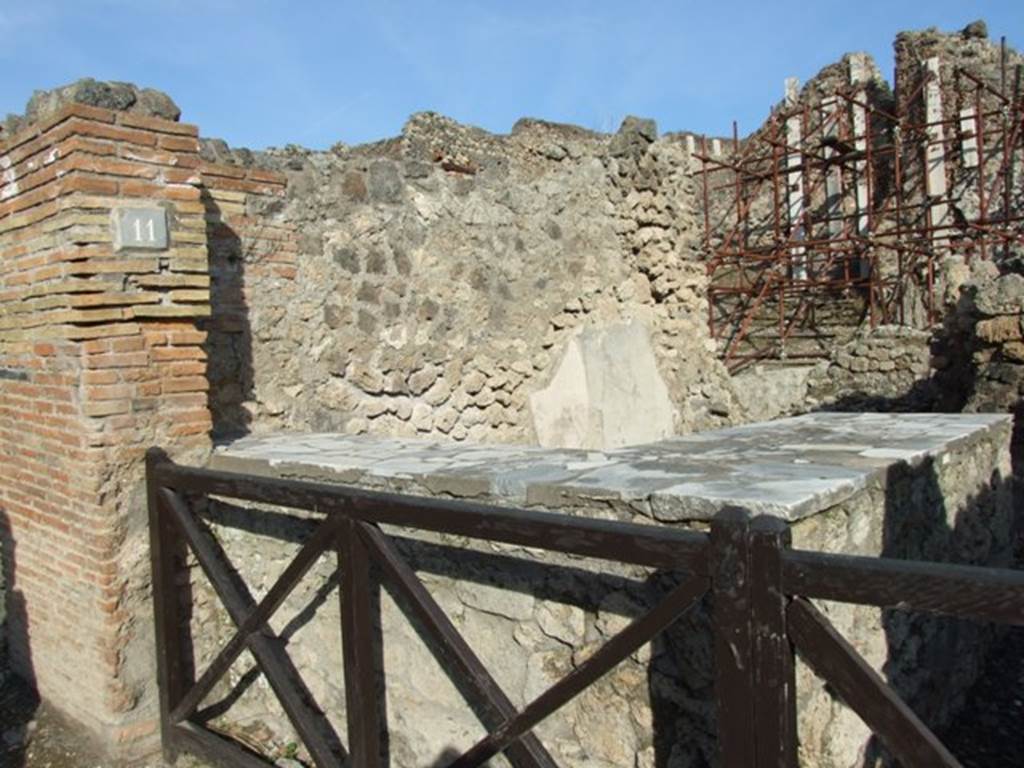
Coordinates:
[760,590]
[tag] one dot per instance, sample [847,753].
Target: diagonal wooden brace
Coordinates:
[528,752]
[832,657]
[282,587]
[313,728]
[638,632]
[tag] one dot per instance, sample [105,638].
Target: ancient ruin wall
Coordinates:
[455,283]
[392,289]
[444,278]
[434,284]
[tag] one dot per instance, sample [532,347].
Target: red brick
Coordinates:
[157,124]
[161,354]
[186,384]
[182,176]
[114,167]
[222,170]
[179,143]
[187,337]
[99,377]
[109,392]
[121,360]
[142,189]
[128,344]
[76,126]
[182,192]
[92,185]
[190,368]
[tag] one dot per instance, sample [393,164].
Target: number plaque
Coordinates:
[140,228]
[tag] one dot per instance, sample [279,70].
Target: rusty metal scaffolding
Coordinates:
[806,240]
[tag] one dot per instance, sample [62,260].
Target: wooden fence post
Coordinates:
[729,555]
[167,552]
[357,638]
[775,733]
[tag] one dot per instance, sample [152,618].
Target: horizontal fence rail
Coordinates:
[987,594]
[758,591]
[629,543]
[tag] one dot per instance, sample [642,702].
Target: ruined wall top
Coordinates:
[122,97]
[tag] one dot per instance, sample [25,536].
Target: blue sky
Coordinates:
[261,73]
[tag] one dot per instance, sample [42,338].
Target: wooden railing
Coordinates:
[761,612]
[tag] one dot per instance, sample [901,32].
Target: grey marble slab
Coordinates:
[791,467]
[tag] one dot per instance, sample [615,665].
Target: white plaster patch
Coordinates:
[606,393]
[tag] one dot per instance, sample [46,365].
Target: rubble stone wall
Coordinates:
[884,368]
[981,366]
[444,275]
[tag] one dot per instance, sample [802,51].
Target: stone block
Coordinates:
[999,329]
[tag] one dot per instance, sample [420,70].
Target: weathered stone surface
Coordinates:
[1002,296]
[999,329]
[384,183]
[109,95]
[887,368]
[768,392]
[976,29]
[791,468]
[446,277]
[480,258]
[606,393]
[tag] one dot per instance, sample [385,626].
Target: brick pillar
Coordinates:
[100,357]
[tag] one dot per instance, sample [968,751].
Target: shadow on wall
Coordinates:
[923,665]
[18,700]
[919,525]
[228,344]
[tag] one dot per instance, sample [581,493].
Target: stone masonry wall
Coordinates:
[884,368]
[456,283]
[99,359]
[981,368]
[443,277]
